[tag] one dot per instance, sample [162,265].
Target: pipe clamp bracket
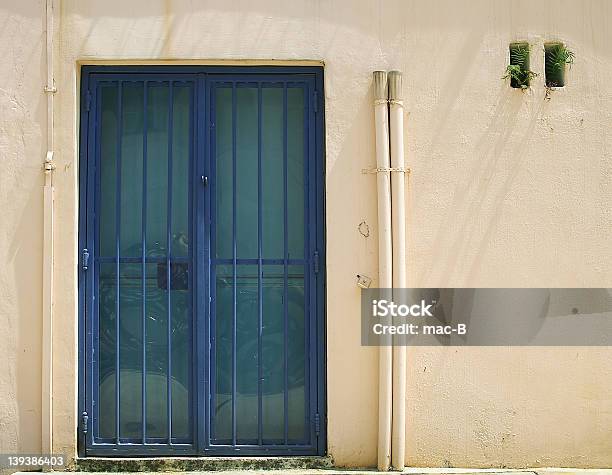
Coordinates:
[48,164]
[366,171]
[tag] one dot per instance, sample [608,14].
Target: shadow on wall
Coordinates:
[275,29]
[481,190]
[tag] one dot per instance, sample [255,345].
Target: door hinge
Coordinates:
[317,424]
[84,422]
[315,101]
[316,262]
[87,100]
[85,259]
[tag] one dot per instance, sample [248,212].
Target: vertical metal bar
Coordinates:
[315,334]
[192,166]
[117,255]
[212,316]
[317,172]
[168,258]
[93,202]
[144,264]
[84,318]
[306,95]
[88,237]
[285,269]
[199,285]
[234,270]
[259,273]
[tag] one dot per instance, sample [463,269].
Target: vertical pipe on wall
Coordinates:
[47,292]
[398,219]
[47,337]
[384,262]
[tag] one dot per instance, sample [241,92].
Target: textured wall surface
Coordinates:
[22,131]
[508,188]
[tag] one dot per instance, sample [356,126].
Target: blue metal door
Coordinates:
[201,283]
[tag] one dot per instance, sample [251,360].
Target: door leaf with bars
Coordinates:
[201,302]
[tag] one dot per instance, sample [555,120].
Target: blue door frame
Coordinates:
[201,262]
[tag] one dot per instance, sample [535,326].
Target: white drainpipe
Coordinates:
[47,316]
[385,277]
[398,216]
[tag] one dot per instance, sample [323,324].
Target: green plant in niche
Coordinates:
[519,78]
[556,56]
[518,70]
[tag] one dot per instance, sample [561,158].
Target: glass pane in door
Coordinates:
[144,317]
[259,311]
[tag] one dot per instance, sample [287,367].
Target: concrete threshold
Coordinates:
[281,466]
[200,464]
[413,471]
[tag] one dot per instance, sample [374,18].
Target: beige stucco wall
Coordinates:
[22,128]
[507,189]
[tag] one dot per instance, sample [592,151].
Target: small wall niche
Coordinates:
[556,57]
[518,70]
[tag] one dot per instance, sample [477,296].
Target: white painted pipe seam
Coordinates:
[398,220]
[385,276]
[48,224]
